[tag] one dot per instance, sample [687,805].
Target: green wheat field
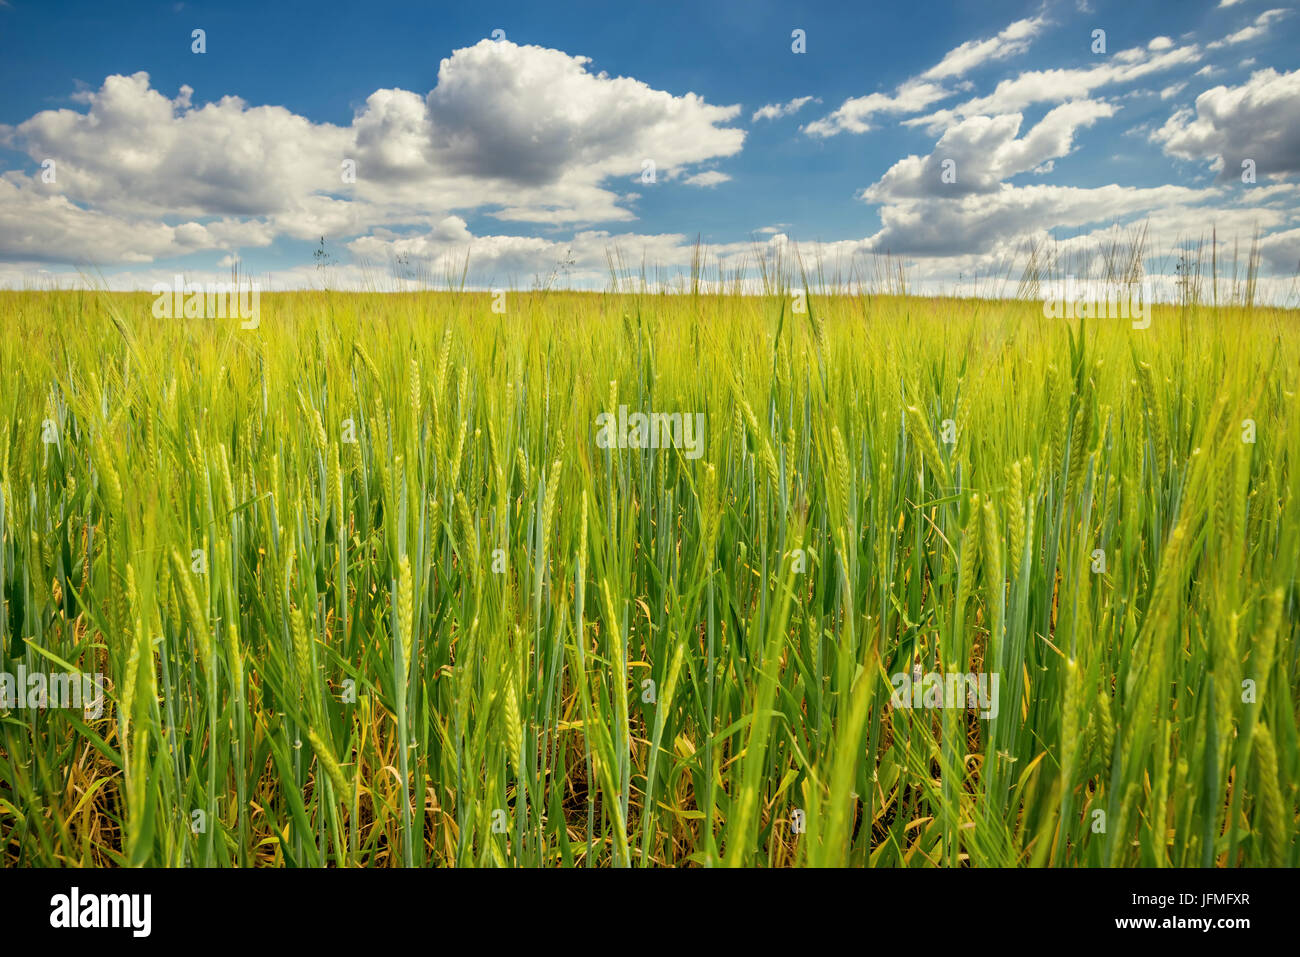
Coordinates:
[365,590]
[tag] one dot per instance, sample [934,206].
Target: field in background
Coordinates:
[366,590]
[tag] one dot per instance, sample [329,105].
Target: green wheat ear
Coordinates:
[1015,508]
[405,609]
[1271,812]
[330,764]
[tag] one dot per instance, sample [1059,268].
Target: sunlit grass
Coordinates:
[367,592]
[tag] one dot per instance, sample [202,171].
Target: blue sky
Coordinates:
[525,154]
